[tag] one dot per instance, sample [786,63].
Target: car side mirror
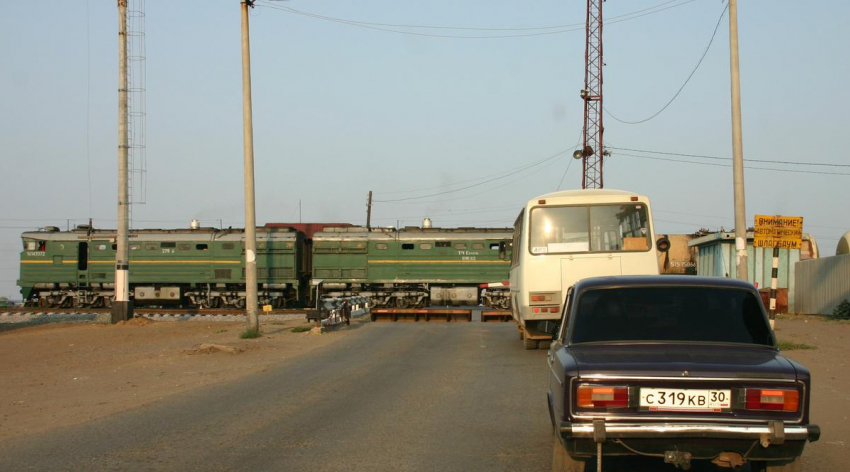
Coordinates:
[663,244]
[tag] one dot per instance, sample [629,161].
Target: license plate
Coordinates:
[675,399]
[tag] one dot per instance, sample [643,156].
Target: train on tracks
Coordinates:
[204,267]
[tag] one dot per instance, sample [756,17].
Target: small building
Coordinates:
[716,257]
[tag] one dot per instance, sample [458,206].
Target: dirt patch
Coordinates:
[138,321]
[828,364]
[62,374]
[207,348]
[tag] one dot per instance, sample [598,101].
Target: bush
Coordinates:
[842,311]
[250,334]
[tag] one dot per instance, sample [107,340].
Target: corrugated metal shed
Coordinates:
[822,284]
[716,257]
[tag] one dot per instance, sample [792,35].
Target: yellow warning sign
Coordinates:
[784,232]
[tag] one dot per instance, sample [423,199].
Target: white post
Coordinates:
[248,151]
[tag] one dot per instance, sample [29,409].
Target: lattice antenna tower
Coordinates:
[136,110]
[592,152]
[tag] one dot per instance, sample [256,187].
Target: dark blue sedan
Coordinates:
[675,368]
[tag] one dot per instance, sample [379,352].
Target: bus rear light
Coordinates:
[538,298]
[772,399]
[590,396]
[537,310]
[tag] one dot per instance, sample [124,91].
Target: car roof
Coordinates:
[660,281]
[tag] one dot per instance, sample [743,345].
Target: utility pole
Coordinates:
[592,152]
[122,307]
[369,212]
[737,147]
[248,151]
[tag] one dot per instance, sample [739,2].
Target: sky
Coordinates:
[345,103]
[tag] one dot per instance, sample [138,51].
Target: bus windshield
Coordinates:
[589,228]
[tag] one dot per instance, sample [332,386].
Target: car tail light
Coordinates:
[772,399]
[591,396]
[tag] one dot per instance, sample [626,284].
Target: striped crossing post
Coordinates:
[773,276]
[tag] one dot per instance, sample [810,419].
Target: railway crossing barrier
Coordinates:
[334,311]
[420,314]
[488,316]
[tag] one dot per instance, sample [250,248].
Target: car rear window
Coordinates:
[699,314]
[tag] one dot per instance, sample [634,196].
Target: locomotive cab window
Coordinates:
[494,246]
[201,247]
[407,246]
[443,244]
[30,245]
[114,247]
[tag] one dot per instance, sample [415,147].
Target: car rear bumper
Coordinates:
[759,442]
[664,430]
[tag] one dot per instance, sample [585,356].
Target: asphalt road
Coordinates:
[387,397]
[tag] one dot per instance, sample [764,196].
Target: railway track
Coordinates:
[150,311]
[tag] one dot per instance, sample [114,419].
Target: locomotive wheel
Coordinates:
[42,303]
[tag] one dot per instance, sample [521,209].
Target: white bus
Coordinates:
[562,237]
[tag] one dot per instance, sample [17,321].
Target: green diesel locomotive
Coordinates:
[414,267]
[200,267]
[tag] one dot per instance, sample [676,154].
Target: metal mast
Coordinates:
[136,109]
[592,151]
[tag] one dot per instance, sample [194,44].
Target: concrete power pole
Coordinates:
[737,147]
[122,308]
[248,151]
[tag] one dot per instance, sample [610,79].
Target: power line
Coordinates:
[581,132]
[710,42]
[794,171]
[503,174]
[558,29]
[702,156]
[478,184]
[473,28]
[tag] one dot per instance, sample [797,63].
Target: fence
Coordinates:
[821,284]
